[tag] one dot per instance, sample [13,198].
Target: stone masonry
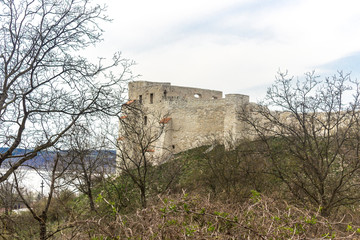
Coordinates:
[193,116]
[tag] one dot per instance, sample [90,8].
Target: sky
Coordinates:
[235,46]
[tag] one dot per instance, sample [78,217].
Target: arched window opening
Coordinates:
[197,95]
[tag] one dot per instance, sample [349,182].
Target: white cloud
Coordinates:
[231,45]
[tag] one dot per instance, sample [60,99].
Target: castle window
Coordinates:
[165,92]
[140,98]
[151,98]
[145,120]
[197,95]
[213,97]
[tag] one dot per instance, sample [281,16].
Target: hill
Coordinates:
[45,157]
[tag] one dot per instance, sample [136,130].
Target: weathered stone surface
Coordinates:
[198,116]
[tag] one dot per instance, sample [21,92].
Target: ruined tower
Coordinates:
[191,117]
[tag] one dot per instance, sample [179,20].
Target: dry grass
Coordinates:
[195,217]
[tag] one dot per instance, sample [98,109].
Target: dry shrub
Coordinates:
[196,217]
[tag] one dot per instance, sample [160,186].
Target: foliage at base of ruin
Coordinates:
[201,194]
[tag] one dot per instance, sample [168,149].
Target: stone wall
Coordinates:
[160,92]
[194,116]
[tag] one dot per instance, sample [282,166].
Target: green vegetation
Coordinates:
[214,194]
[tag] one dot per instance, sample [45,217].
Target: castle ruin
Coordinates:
[192,116]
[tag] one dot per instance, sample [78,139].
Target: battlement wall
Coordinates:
[154,92]
[198,116]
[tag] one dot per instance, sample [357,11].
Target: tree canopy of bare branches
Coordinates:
[140,129]
[312,138]
[45,87]
[89,160]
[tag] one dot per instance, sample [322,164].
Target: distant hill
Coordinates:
[38,161]
[46,157]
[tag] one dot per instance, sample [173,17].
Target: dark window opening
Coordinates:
[165,92]
[151,98]
[145,120]
[140,98]
[173,146]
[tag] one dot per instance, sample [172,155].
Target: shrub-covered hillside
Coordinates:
[204,193]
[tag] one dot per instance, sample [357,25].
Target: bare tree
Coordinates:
[137,148]
[40,212]
[8,196]
[89,160]
[310,131]
[45,88]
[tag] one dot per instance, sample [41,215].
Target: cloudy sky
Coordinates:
[236,46]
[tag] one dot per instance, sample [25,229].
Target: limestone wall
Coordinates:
[160,92]
[196,123]
[198,116]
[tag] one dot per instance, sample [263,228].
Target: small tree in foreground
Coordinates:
[8,196]
[89,160]
[41,210]
[136,147]
[313,142]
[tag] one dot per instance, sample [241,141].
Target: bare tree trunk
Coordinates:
[42,223]
[143,197]
[90,196]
